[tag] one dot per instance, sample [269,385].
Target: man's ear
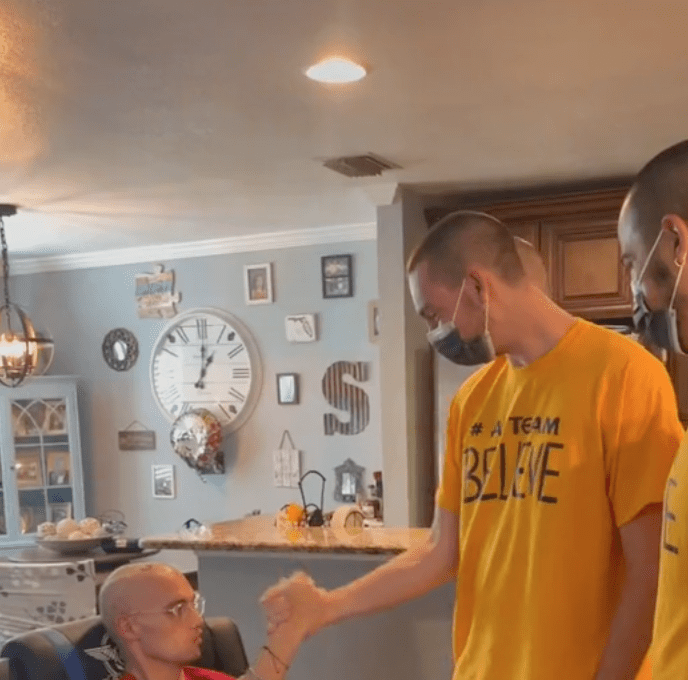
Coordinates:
[678,228]
[126,628]
[477,284]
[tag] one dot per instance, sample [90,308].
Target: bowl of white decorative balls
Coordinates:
[71,537]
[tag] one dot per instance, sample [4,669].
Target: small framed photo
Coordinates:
[337,276]
[287,388]
[29,469]
[58,468]
[258,284]
[373,321]
[55,420]
[59,511]
[163,481]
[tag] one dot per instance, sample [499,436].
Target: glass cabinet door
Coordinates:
[43,461]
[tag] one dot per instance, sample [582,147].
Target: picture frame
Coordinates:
[373,321]
[55,419]
[258,284]
[58,468]
[162,478]
[337,276]
[301,327]
[59,511]
[29,469]
[287,388]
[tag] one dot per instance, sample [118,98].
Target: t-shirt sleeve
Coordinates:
[449,494]
[644,438]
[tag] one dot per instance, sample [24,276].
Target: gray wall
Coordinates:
[80,306]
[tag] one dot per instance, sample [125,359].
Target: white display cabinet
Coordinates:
[40,457]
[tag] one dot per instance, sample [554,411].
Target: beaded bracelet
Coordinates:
[276,658]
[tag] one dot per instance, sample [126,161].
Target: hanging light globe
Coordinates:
[20,348]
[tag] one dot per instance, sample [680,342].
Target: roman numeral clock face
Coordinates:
[206,358]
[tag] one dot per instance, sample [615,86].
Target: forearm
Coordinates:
[407,576]
[631,630]
[274,660]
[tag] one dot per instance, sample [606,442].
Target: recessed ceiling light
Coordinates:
[336,70]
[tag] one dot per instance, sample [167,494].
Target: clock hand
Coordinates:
[199,384]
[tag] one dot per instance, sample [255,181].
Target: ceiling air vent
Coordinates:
[367,165]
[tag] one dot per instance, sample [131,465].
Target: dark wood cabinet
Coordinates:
[575,233]
[585,271]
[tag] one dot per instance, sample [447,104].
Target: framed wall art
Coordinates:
[337,276]
[287,388]
[373,321]
[258,284]
[301,327]
[163,481]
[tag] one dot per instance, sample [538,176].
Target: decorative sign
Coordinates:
[346,397]
[286,463]
[131,439]
[155,296]
[301,327]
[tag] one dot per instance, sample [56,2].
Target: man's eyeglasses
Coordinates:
[181,609]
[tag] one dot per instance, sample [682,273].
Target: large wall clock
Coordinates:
[206,358]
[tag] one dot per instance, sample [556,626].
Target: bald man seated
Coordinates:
[156,619]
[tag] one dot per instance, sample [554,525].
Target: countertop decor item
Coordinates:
[120,349]
[349,481]
[313,511]
[70,546]
[19,344]
[207,358]
[196,437]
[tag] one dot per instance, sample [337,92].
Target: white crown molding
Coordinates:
[177,251]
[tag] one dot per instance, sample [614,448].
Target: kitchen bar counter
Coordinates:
[244,557]
[261,535]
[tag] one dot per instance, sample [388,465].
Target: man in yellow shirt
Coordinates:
[549,510]
[653,233]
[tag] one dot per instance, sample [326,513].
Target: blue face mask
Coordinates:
[446,340]
[659,327]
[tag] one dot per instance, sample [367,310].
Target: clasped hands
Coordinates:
[295,607]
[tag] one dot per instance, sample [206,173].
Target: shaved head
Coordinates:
[121,593]
[465,238]
[661,188]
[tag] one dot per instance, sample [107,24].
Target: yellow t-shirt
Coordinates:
[543,463]
[670,642]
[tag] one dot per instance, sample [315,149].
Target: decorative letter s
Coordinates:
[346,397]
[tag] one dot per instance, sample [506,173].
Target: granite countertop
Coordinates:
[260,534]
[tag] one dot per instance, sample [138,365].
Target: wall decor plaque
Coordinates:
[155,294]
[136,437]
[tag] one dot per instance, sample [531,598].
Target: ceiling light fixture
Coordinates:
[336,70]
[19,348]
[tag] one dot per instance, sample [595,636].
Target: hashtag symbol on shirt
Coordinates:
[476,429]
